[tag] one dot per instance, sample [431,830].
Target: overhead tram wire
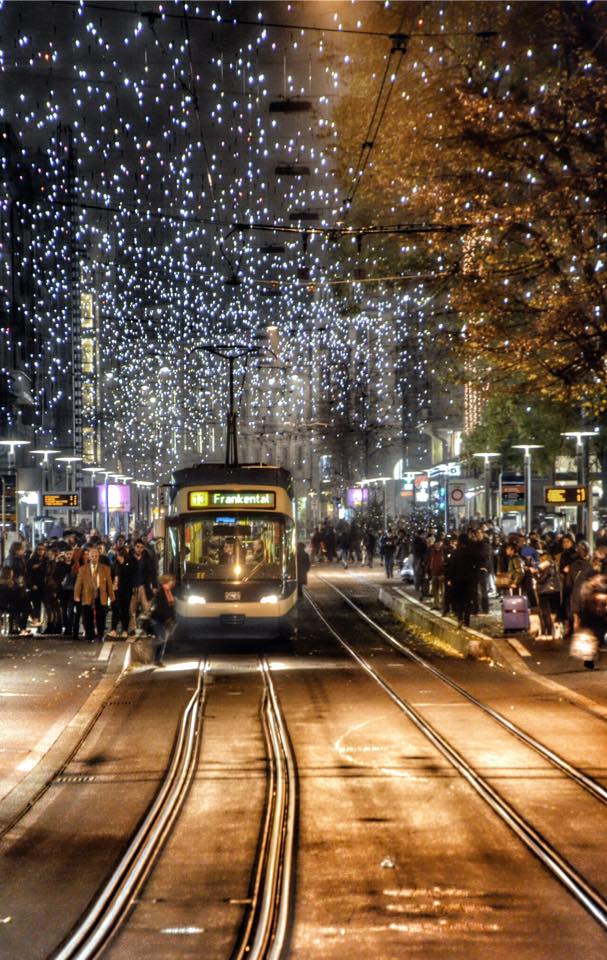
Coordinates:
[312,28]
[400,46]
[335,233]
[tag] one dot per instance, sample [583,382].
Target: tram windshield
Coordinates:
[239,546]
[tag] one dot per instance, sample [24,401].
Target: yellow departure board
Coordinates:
[566,495]
[60,500]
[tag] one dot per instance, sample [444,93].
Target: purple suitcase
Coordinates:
[515,613]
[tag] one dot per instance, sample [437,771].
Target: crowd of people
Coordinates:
[68,587]
[458,573]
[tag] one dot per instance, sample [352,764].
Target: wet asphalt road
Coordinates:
[396,855]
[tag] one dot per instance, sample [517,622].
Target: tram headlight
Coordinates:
[271,598]
[194,598]
[237,569]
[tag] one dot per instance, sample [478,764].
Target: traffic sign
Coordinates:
[457,496]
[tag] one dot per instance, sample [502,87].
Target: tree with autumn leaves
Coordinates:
[493,131]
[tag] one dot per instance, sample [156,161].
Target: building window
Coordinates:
[88,356]
[86,310]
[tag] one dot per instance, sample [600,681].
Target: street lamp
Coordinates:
[10,444]
[581,456]
[145,486]
[487,459]
[45,453]
[69,475]
[528,447]
[93,472]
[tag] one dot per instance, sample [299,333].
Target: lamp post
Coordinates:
[11,445]
[69,476]
[125,481]
[527,448]
[487,476]
[93,472]
[145,485]
[583,480]
[106,503]
[45,453]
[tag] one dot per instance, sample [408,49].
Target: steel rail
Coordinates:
[572,880]
[113,902]
[265,930]
[596,789]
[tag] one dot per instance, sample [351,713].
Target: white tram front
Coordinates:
[230,542]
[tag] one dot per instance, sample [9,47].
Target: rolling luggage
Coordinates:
[515,613]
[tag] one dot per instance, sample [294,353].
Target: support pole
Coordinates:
[528,492]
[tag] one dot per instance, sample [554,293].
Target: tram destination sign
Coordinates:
[60,500]
[565,495]
[252,499]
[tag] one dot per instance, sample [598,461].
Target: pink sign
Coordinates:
[118,495]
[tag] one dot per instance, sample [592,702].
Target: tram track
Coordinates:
[264,931]
[110,908]
[592,786]
[568,875]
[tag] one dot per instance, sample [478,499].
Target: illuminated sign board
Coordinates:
[59,499]
[118,497]
[513,493]
[565,495]
[254,499]
[357,497]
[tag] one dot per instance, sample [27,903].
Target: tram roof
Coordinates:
[218,474]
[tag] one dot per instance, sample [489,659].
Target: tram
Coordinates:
[230,543]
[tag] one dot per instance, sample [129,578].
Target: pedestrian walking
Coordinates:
[387,549]
[123,592]
[142,584]
[369,541]
[36,574]
[162,616]
[303,566]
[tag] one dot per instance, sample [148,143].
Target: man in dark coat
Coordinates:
[142,583]
[303,566]
[461,576]
[566,572]
[481,550]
